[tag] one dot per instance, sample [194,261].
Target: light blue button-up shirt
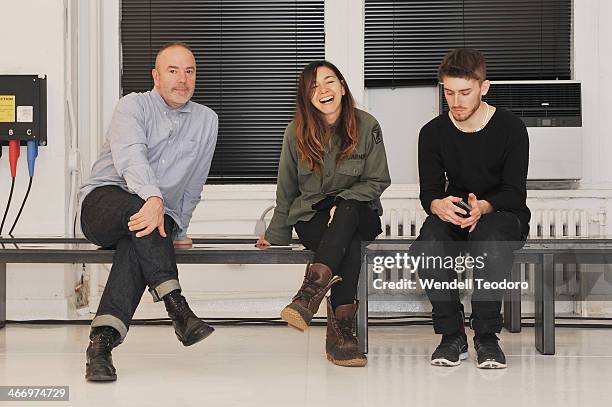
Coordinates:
[154,150]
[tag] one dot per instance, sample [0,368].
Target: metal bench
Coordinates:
[544,253]
[240,250]
[206,250]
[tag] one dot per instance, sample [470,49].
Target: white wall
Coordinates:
[344,25]
[593,66]
[32,35]
[401,113]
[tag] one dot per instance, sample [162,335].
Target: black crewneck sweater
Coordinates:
[491,163]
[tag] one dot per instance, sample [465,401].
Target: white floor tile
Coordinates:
[279,366]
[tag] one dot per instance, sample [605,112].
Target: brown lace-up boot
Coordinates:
[341,344]
[317,281]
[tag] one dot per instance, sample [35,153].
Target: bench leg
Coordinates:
[545,305]
[512,302]
[2,295]
[362,312]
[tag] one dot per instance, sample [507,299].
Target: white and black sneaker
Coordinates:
[489,354]
[451,350]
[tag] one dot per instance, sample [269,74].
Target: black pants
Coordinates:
[338,245]
[497,234]
[138,261]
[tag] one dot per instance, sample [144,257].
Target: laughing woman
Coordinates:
[332,171]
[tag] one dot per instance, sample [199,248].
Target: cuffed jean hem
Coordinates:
[112,321]
[164,288]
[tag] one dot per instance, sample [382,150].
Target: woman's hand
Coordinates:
[331,215]
[262,243]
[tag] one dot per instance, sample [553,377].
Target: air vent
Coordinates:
[538,104]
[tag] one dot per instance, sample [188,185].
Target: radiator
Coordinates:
[545,223]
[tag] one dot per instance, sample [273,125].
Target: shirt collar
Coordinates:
[162,103]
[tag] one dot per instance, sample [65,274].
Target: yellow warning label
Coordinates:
[7,108]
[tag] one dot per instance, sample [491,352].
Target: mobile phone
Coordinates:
[461,204]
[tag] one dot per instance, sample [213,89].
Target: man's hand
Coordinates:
[186,243]
[479,208]
[262,243]
[447,211]
[331,214]
[149,218]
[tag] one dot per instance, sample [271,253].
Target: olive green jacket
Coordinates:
[363,177]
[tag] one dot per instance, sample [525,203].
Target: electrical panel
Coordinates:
[23,109]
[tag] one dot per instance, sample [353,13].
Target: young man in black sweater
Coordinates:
[476,154]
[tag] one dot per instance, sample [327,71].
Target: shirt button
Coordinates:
[163,161]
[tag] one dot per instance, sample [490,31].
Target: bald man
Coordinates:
[139,200]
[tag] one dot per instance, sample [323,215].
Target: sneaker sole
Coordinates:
[349,362]
[491,364]
[294,319]
[447,363]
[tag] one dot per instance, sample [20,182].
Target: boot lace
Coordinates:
[307,290]
[103,341]
[347,329]
[181,308]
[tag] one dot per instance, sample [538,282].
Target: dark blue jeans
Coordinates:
[497,234]
[138,261]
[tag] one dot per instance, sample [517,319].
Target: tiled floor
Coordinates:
[279,366]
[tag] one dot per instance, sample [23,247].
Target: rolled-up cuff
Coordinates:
[180,235]
[147,191]
[112,321]
[164,288]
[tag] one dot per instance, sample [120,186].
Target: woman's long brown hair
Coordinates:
[313,134]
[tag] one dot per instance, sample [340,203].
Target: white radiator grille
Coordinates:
[545,223]
[559,224]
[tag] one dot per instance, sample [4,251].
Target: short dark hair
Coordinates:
[172,45]
[463,63]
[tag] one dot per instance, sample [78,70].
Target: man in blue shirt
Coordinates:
[140,198]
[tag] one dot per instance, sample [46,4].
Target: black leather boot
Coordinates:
[99,366]
[188,327]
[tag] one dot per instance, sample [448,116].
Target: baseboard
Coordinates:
[29,308]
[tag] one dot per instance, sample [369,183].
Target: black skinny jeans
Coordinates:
[338,245]
[138,261]
[497,234]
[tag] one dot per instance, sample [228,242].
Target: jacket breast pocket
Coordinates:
[347,173]
[308,180]
[351,168]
